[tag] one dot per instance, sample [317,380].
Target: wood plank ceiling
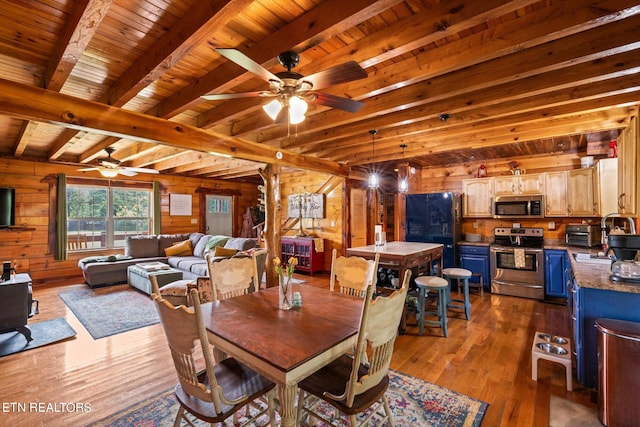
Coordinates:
[514,78]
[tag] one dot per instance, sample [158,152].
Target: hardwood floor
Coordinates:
[84,380]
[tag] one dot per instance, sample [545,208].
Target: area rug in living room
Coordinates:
[413,402]
[110,310]
[42,333]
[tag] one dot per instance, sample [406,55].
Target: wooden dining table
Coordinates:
[285,346]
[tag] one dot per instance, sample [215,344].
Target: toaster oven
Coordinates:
[584,235]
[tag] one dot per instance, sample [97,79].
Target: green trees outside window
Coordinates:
[102,217]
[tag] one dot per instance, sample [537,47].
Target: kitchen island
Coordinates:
[593,295]
[403,256]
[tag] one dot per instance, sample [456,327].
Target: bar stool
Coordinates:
[424,285]
[459,274]
[479,285]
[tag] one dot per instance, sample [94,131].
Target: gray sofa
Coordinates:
[108,270]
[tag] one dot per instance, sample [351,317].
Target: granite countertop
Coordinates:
[596,276]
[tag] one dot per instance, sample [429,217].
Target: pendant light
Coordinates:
[403,173]
[374,182]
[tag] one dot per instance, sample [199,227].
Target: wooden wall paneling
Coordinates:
[331,227]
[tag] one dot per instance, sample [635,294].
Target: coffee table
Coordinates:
[139,277]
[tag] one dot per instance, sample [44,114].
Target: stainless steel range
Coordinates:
[517,266]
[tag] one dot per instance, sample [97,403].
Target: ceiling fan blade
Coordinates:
[88,169]
[247,63]
[136,170]
[338,102]
[127,172]
[342,73]
[220,96]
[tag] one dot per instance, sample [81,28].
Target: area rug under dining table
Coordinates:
[414,402]
[110,310]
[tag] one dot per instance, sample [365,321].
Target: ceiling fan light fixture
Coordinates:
[273,108]
[109,173]
[297,109]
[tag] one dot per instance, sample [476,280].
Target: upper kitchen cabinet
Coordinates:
[608,185]
[519,184]
[477,197]
[582,192]
[555,191]
[628,169]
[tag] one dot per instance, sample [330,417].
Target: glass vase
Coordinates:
[285,293]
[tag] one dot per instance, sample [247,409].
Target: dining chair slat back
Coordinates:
[200,390]
[352,275]
[354,383]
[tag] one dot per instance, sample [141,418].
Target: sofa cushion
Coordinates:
[179,249]
[201,247]
[141,246]
[240,243]
[222,251]
[166,240]
[200,269]
[195,238]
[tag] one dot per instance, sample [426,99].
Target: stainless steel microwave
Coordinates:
[518,206]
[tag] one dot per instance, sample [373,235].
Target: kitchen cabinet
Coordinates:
[557,271]
[582,191]
[478,194]
[476,259]
[555,193]
[628,179]
[306,249]
[607,185]
[593,304]
[518,184]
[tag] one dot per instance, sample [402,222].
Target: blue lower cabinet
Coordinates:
[476,259]
[556,272]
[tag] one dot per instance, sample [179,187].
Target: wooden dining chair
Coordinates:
[207,390]
[349,385]
[352,275]
[232,277]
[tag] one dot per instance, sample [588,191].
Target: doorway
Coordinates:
[219,215]
[358,220]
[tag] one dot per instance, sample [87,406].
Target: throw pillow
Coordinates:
[221,251]
[216,241]
[179,249]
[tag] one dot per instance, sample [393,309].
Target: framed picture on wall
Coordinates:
[312,205]
[180,204]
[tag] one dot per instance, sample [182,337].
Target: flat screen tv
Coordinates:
[7,207]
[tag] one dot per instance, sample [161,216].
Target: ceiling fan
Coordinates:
[290,88]
[110,167]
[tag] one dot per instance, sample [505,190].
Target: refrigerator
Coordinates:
[435,218]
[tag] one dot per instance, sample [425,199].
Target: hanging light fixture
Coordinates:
[108,173]
[403,173]
[295,106]
[374,182]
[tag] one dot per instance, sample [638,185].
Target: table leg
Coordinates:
[287,395]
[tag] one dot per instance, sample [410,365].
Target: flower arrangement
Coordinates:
[284,275]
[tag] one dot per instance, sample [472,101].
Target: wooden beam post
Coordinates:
[273,219]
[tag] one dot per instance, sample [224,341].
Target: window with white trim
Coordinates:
[101,217]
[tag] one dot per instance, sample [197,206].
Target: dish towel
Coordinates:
[519,258]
